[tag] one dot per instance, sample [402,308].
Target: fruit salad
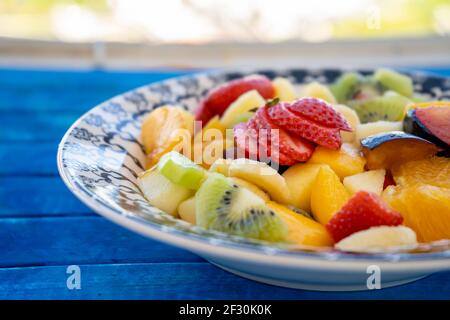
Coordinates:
[360,164]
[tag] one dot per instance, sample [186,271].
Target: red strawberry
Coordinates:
[304,127]
[319,111]
[218,99]
[246,140]
[363,211]
[289,147]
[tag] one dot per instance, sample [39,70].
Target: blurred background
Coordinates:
[136,34]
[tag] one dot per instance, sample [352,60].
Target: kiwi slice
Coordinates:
[395,81]
[389,107]
[181,170]
[223,206]
[346,85]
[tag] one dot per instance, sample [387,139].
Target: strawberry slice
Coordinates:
[246,140]
[363,211]
[304,127]
[288,146]
[319,111]
[219,98]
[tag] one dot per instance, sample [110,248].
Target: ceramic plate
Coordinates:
[101,155]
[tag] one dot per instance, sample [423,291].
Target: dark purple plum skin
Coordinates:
[376,140]
[413,125]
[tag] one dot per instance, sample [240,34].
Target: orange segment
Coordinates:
[434,171]
[425,209]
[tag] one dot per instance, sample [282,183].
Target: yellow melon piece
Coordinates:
[186,210]
[301,230]
[300,178]
[328,195]
[284,89]
[346,161]
[317,90]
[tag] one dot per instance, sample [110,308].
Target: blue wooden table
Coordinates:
[44,228]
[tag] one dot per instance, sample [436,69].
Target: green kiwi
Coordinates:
[181,170]
[389,107]
[223,206]
[395,81]
[346,85]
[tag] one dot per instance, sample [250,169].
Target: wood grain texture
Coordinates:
[195,280]
[78,240]
[44,228]
[38,196]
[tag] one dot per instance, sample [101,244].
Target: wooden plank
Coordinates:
[25,158]
[35,126]
[78,240]
[24,91]
[182,281]
[37,196]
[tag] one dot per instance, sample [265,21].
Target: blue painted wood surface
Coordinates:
[44,228]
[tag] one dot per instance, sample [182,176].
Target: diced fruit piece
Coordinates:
[317,90]
[304,128]
[390,107]
[287,146]
[163,129]
[328,195]
[369,129]
[284,89]
[247,140]
[425,209]
[431,123]
[352,119]
[318,111]
[218,99]
[186,210]
[246,102]
[385,150]
[261,175]
[388,180]
[363,211]
[346,86]
[221,166]
[299,179]
[223,206]
[243,117]
[394,81]
[181,170]
[379,239]
[251,187]
[213,124]
[301,230]
[433,171]
[161,192]
[371,181]
[346,161]
[214,150]
[427,104]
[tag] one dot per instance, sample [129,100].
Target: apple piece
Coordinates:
[181,170]
[371,181]
[246,102]
[162,193]
[186,210]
